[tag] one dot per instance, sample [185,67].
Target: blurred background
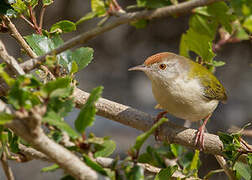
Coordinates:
[123,47]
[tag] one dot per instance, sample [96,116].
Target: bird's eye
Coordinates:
[162,66]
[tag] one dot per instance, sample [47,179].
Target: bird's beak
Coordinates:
[141,67]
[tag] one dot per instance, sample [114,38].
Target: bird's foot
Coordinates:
[159,116]
[199,141]
[200,134]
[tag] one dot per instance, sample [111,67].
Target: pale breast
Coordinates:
[183,99]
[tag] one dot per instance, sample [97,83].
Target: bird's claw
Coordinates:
[199,140]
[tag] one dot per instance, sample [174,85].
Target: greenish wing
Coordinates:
[213,89]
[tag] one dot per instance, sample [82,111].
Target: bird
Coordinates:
[183,88]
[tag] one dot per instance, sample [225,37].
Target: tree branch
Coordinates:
[124,18]
[27,126]
[14,33]
[10,61]
[7,170]
[169,131]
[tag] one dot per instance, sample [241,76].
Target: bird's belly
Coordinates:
[185,103]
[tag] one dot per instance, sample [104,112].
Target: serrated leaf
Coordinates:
[198,43]
[51,168]
[87,113]
[94,165]
[63,26]
[166,173]
[219,10]
[107,149]
[88,16]
[143,137]
[54,119]
[5,118]
[98,7]
[82,56]
[243,170]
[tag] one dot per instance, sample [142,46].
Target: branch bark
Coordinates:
[142,121]
[7,170]
[124,18]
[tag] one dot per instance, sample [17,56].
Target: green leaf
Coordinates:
[51,168]
[64,26]
[218,63]
[248,23]
[175,149]
[32,3]
[60,106]
[136,173]
[40,44]
[219,11]
[152,4]
[195,161]
[243,170]
[13,142]
[88,16]
[59,83]
[9,80]
[83,56]
[94,165]
[23,94]
[143,137]
[47,2]
[98,7]
[198,43]
[19,6]
[87,113]
[203,25]
[54,119]
[5,118]
[74,67]
[107,149]
[166,173]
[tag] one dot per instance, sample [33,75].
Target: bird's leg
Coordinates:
[200,134]
[159,116]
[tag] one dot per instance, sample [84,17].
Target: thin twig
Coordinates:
[41,18]
[14,33]
[123,19]
[225,167]
[7,170]
[10,61]
[34,20]
[26,20]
